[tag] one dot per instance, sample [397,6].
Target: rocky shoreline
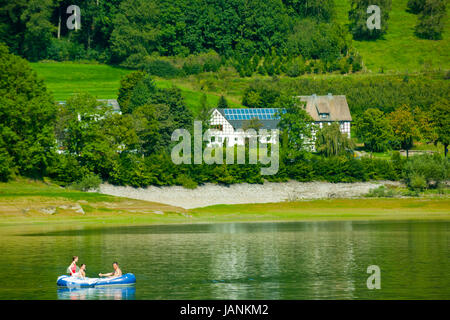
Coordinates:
[212,194]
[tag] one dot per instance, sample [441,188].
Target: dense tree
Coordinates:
[127,85]
[331,142]
[204,113]
[222,103]
[261,95]
[322,10]
[154,125]
[142,93]
[135,31]
[38,30]
[424,120]
[27,117]
[295,128]
[416,6]
[440,115]
[358,17]
[374,129]
[432,19]
[316,40]
[404,127]
[130,32]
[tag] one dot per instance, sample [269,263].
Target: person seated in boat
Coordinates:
[81,273]
[117,272]
[72,269]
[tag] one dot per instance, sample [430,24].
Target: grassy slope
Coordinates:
[102,81]
[64,79]
[21,202]
[400,50]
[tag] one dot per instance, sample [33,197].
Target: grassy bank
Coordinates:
[33,203]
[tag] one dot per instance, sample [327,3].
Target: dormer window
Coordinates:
[324,115]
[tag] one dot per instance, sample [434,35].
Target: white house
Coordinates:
[227,124]
[328,109]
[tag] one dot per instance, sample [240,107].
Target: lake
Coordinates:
[293,260]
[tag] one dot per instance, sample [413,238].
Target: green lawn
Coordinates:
[65,79]
[400,50]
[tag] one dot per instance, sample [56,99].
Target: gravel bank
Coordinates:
[211,194]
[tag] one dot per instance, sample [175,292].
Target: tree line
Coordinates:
[263,36]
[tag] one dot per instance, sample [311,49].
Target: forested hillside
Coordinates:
[264,37]
[170,62]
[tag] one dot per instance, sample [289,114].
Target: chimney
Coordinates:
[330,96]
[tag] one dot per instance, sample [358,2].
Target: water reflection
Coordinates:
[305,260]
[100,293]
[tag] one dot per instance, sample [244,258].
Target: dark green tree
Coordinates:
[204,113]
[27,115]
[374,129]
[127,85]
[432,20]
[416,6]
[135,29]
[358,17]
[322,10]
[295,127]
[223,104]
[440,114]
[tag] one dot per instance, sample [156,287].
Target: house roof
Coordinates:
[335,107]
[109,102]
[237,117]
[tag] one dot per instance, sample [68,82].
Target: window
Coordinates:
[324,115]
[217,127]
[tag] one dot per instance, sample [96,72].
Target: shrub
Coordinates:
[88,182]
[162,68]
[186,182]
[6,166]
[417,182]
[192,67]
[65,169]
[426,171]
[381,192]
[135,61]
[64,50]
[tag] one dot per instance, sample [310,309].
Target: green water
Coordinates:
[304,260]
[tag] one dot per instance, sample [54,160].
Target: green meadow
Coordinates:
[63,79]
[400,50]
